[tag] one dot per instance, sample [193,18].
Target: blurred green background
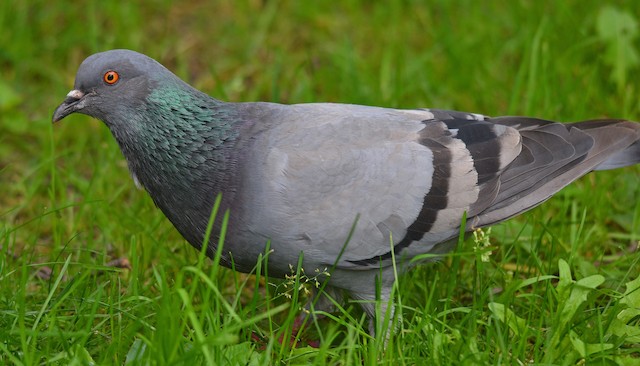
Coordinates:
[65,189]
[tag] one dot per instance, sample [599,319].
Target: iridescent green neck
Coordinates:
[178,141]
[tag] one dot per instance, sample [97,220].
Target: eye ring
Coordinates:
[111,77]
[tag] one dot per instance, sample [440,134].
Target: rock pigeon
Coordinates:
[349,187]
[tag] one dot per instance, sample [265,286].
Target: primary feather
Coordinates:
[299,176]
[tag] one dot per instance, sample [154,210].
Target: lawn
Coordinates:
[92,273]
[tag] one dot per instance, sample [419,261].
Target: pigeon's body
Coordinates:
[301,176]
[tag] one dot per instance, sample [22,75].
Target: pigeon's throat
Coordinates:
[170,151]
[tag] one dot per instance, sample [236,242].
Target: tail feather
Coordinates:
[601,129]
[617,143]
[554,155]
[627,157]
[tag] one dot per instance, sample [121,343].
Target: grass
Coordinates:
[554,286]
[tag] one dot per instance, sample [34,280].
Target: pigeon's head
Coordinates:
[112,83]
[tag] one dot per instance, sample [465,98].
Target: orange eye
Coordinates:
[110,77]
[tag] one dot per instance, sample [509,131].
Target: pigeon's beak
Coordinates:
[74,102]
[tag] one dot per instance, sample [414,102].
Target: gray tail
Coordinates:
[616,143]
[554,155]
[624,157]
